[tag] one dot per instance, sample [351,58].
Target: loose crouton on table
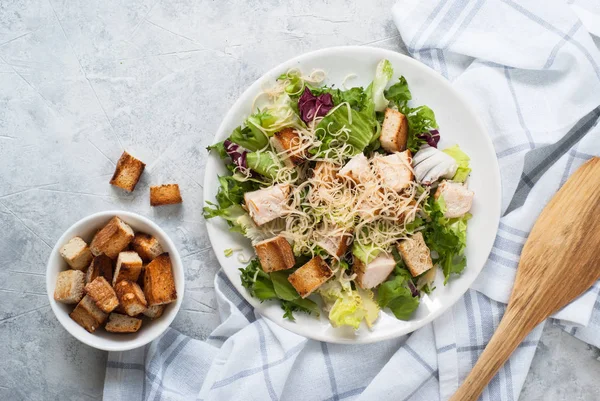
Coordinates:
[129,267]
[159,284]
[416,254]
[103,294]
[310,276]
[275,254]
[394,131]
[69,286]
[167,194]
[147,246]
[112,238]
[131,297]
[128,172]
[118,323]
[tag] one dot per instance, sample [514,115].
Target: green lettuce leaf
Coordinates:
[257,282]
[447,237]
[383,74]
[347,310]
[399,94]
[364,253]
[361,129]
[463,163]
[250,139]
[283,288]
[299,305]
[396,295]
[219,148]
[420,120]
[265,163]
[355,97]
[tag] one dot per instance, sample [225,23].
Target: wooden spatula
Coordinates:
[559,262]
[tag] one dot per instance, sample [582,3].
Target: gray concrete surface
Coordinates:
[82,80]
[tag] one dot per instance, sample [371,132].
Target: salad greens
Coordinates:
[300,208]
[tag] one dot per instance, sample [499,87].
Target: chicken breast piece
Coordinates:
[431,164]
[374,273]
[357,169]
[394,170]
[335,245]
[457,197]
[267,204]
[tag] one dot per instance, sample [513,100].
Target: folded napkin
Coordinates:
[531,70]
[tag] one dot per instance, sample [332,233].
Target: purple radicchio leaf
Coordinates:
[311,106]
[413,289]
[237,154]
[432,137]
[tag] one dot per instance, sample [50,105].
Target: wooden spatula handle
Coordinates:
[511,331]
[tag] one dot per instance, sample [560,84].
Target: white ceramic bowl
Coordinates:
[101,339]
[458,123]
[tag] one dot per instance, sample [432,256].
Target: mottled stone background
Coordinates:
[81,80]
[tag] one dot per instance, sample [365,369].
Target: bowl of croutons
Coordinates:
[115,280]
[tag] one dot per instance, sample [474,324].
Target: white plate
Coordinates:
[458,125]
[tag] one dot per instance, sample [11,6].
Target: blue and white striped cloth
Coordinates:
[532,71]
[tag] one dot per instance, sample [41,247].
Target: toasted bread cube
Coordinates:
[88,315]
[154,312]
[167,194]
[267,204]
[416,254]
[129,267]
[287,143]
[394,131]
[310,276]
[275,254]
[128,172]
[335,245]
[357,169]
[101,266]
[112,238]
[374,273]
[103,294]
[131,297]
[457,197]
[394,170]
[69,286]
[122,324]
[76,253]
[146,246]
[159,284]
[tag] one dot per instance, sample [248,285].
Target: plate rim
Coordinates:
[495,172]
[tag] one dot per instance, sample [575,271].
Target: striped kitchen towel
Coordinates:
[531,69]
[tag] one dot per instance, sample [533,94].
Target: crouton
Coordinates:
[416,254]
[154,312]
[146,246]
[287,142]
[394,170]
[76,253]
[267,204]
[275,254]
[112,238]
[394,131]
[69,286]
[457,197]
[167,194]
[103,294]
[122,324]
[129,267]
[88,315]
[310,276]
[159,284]
[357,169]
[128,172]
[131,297]
[335,245]
[372,274]
[101,265]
